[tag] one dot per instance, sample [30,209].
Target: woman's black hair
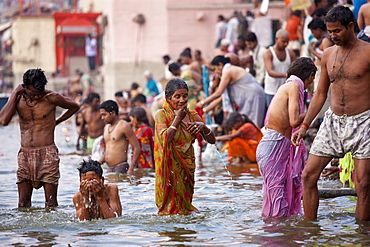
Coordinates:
[140,114]
[317,23]
[302,67]
[173,85]
[90,166]
[220,59]
[235,117]
[35,78]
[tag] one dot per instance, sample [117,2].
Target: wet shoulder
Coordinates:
[52,96]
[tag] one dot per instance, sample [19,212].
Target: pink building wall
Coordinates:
[170,26]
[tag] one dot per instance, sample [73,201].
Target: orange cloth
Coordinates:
[292,27]
[246,145]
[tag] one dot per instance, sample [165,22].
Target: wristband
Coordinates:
[173,127]
[305,124]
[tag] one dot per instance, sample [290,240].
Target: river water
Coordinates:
[229,199]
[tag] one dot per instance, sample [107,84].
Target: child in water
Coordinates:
[243,140]
[96,200]
[144,134]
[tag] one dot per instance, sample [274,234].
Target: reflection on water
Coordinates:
[229,199]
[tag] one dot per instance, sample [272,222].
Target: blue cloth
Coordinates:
[152,87]
[357,4]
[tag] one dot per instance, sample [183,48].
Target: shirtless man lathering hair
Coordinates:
[38,161]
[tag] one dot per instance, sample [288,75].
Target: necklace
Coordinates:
[335,61]
[27,97]
[114,126]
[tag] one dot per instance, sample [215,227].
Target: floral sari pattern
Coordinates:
[174,165]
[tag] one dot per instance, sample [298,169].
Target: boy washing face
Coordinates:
[95,200]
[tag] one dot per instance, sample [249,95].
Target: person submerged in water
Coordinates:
[95,200]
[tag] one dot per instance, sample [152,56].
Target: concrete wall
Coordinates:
[34,45]
[91,5]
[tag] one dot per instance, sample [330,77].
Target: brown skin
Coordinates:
[230,74]
[91,122]
[37,124]
[318,33]
[118,134]
[364,16]
[95,200]
[178,102]
[349,95]
[284,112]
[232,136]
[246,62]
[280,44]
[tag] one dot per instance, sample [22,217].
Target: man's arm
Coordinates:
[66,103]
[292,55]
[134,142]
[267,58]
[102,159]
[79,204]
[225,80]
[114,202]
[106,209]
[82,129]
[361,18]
[9,109]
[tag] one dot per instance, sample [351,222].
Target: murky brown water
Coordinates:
[229,201]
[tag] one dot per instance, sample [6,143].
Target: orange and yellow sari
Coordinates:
[174,165]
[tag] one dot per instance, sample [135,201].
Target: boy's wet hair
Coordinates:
[109,106]
[302,68]
[173,85]
[140,114]
[35,78]
[90,166]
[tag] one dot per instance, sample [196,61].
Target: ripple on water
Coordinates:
[229,198]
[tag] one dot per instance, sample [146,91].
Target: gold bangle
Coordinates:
[173,127]
[204,110]
[202,102]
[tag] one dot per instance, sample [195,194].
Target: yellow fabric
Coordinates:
[347,167]
[174,165]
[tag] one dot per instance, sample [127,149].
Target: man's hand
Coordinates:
[84,188]
[96,188]
[298,135]
[19,89]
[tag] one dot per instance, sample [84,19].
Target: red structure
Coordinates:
[71,30]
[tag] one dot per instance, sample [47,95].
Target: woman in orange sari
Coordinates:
[175,131]
[243,140]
